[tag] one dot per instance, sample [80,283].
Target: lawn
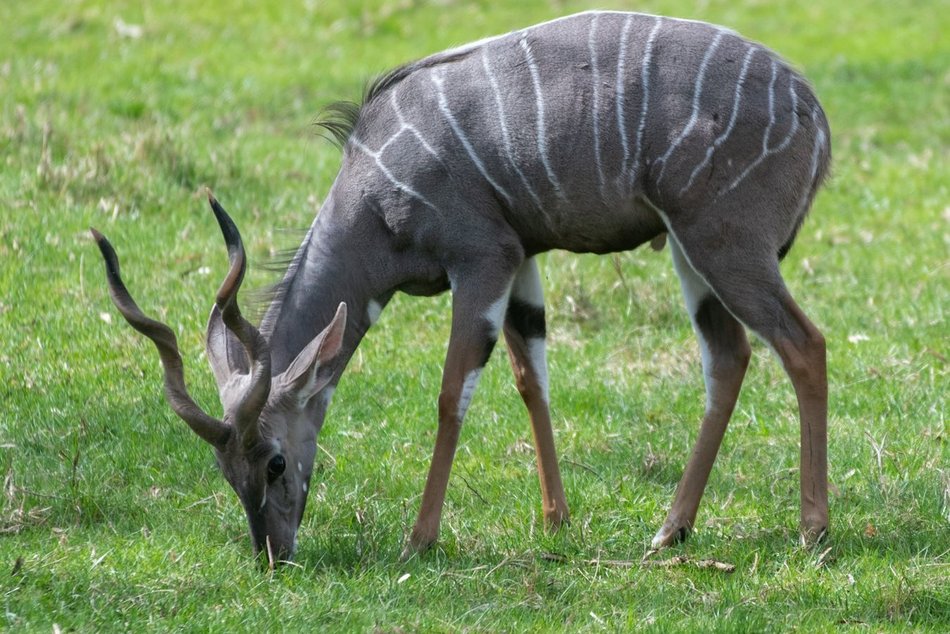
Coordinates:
[118,115]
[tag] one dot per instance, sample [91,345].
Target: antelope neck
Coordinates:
[324,272]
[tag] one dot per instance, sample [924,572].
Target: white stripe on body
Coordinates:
[820,141]
[539,105]
[389,175]
[694,117]
[737,98]
[768,129]
[405,125]
[766,151]
[438,80]
[504,132]
[595,111]
[620,84]
[645,104]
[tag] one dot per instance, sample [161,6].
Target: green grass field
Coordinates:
[112,513]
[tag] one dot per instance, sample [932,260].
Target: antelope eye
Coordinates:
[276,466]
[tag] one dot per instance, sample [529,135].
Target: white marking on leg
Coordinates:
[403,187]
[527,284]
[495,315]
[468,390]
[304,487]
[537,355]
[299,467]
[645,105]
[595,112]
[438,80]
[539,105]
[373,310]
[506,138]
[527,288]
[736,99]
[620,85]
[695,290]
[671,235]
[694,116]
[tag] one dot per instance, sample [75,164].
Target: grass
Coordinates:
[112,514]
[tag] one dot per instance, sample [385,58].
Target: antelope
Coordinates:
[596,132]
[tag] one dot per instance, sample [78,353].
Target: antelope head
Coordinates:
[266,440]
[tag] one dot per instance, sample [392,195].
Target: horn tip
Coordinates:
[224,220]
[215,205]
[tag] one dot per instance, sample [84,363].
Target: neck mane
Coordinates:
[323,272]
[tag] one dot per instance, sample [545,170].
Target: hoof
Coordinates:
[813,536]
[415,546]
[555,520]
[670,534]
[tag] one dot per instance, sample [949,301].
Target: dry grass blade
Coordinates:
[270,554]
[678,560]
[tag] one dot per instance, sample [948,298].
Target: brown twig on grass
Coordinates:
[678,560]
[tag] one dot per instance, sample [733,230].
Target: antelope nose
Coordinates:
[275,553]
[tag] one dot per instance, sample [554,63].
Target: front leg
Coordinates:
[524,334]
[478,309]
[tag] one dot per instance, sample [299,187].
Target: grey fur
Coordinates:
[592,133]
[461,166]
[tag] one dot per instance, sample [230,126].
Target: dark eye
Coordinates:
[276,466]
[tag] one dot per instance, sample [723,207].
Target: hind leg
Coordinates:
[725,355]
[745,277]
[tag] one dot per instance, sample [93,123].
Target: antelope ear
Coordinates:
[311,370]
[225,352]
